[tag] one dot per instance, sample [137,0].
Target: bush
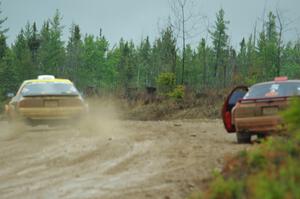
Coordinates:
[226,189]
[167,86]
[177,93]
[292,116]
[166,82]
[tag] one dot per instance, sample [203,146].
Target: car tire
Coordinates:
[243,137]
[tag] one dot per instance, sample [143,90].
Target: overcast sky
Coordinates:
[135,19]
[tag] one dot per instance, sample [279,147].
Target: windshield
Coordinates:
[275,89]
[49,88]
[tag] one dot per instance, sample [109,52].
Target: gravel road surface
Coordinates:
[111,158]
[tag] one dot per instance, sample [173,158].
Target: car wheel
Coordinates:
[243,137]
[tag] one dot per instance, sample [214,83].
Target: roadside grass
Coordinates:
[269,171]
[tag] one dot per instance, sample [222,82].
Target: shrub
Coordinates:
[177,93]
[226,189]
[292,116]
[166,82]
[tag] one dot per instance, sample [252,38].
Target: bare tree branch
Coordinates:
[184,21]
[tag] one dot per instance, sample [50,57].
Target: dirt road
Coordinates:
[112,159]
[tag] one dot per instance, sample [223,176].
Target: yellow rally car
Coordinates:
[46,100]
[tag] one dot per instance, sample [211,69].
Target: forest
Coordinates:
[91,61]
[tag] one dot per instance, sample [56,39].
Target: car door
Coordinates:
[235,95]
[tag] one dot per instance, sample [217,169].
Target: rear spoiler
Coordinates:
[270,99]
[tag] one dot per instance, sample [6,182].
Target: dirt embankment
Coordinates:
[105,157]
[172,110]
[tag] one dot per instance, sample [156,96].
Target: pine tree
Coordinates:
[242,58]
[104,72]
[3,46]
[126,66]
[8,80]
[145,68]
[164,55]
[272,46]
[96,72]
[51,53]
[23,58]
[189,72]
[167,48]
[220,45]
[56,50]
[202,56]
[34,43]
[7,75]
[267,48]
[2,20]
[74,55]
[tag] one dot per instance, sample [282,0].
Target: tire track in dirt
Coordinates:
[115,159]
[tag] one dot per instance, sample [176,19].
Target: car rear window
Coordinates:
[48,88]
[282,89]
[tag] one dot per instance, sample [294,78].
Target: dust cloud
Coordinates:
[103,117]
[9,131]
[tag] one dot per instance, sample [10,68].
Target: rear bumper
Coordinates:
[262,124]
[58,113]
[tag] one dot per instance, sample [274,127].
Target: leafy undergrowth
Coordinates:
[272,170]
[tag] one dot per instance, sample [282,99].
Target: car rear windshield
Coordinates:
[49,88]
[268,90]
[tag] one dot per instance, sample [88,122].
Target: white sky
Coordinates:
[135,19]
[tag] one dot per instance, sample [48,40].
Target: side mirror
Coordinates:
[10,95]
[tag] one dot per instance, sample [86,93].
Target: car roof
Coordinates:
[48,80]
[277,82]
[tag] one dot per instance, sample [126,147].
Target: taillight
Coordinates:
[243,111]
[30,103]
[23,103]
[71,102]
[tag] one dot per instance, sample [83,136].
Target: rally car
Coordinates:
[46,100]
[254,110]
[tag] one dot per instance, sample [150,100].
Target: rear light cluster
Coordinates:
[40,102]
[70,102]
[27,103]
[244,111]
